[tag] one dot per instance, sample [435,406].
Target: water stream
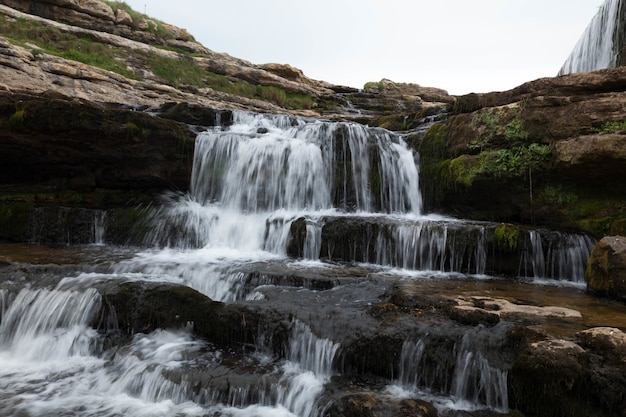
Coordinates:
[355,192]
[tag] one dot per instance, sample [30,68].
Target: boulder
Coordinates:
[122,17]
[606,268]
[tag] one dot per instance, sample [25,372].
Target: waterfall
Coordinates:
[251,179]
[556,255]
[598,47]
[470,381]
[49,324]
[308,367]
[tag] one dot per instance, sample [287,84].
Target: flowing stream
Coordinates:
[267,193]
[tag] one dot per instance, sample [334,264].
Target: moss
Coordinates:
[507,237]
[464,169]
[14,220]
[618,227]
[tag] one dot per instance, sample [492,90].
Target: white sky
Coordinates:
[461,46]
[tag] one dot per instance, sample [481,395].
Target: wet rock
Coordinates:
[482,307]
[607,341]
[374,404]
[141,307]
[559,377]
[606,268]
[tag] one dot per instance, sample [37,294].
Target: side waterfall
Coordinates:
[599,46]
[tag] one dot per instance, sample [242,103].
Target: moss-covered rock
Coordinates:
[14,220]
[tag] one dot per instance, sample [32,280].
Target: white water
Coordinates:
[476,383]
[53,363]
[595,49]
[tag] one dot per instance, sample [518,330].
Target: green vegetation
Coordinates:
[492,123]
[16,120]
[177,71]
[506,237]
[516,161]
[53,41]
[372,85]
[609,127]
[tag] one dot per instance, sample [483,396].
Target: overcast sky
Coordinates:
[461,46]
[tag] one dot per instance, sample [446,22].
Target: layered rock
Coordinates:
[549,151]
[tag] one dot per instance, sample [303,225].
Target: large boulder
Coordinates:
[606,269]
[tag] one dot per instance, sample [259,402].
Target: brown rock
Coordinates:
[122,17]
[606,340]
[606,268]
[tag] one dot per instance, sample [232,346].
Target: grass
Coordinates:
[175,71]
[53,41]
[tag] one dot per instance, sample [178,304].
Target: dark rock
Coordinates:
[141,307]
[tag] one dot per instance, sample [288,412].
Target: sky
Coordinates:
[461,46]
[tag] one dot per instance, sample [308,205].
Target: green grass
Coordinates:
[52,41]
[175,71]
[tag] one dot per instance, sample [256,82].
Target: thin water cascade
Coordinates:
[475,382]
[597,48]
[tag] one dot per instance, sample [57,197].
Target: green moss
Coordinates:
[618,227]
[494,123]
[464,169]
[176,71]
[506,237]
[14,218]
[514,131]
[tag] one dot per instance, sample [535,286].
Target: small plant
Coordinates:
[609,127]
[16,120]
[514,131]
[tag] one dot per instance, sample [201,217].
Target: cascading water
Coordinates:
[264,191]
[598,47]
[471,381]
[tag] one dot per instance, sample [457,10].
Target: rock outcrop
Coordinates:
[547,152]
[149,49]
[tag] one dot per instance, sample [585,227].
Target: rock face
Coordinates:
[549,152]
[606,269]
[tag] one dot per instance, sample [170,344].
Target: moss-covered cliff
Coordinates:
[550,152]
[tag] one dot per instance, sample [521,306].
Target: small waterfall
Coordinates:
[477,381]
[313,242]
[313,355]
[598,47]
[468,382]
[99,226]
[307,368]
[556,255]
[49,324]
